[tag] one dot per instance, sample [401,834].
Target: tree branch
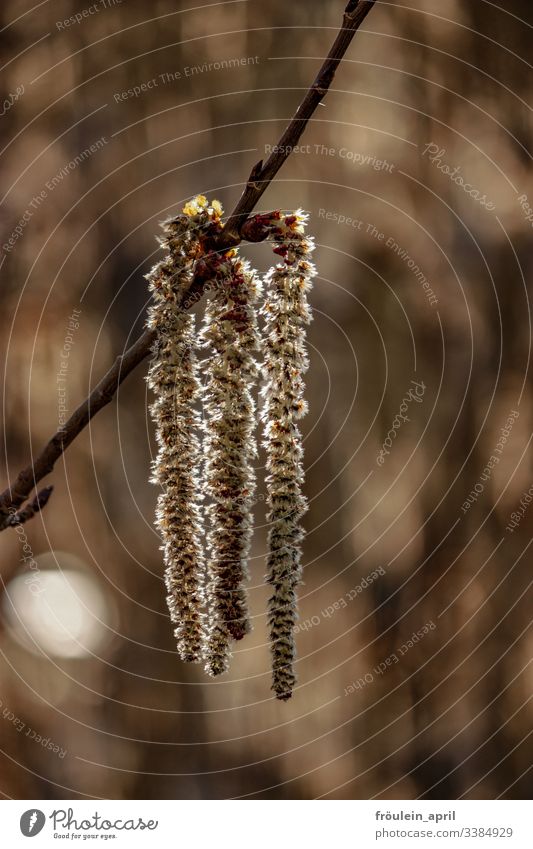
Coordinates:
[32,507]
[262,175]
[237,228]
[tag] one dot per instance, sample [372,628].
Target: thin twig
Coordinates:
[32,507]
[236,230]
[19,490]
[263,174]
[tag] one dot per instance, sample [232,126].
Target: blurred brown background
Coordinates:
[94,700]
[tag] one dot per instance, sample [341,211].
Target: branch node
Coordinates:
[253,182]
[31,509]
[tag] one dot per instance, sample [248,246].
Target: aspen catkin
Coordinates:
[286,312]
[173,376]
[231,337]
[206,595]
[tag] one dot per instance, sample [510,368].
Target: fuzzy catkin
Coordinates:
[231,338]
[286,312]
[207,595]
[174,378]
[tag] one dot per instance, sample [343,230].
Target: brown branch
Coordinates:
[237,228]
[263,174]
[31,508]
[28,478]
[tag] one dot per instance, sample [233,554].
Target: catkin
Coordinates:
[174,378]
[286,312]
[208,483]
[231,338]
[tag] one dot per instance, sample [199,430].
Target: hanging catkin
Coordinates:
[286,313]
[231,337]
[173,376]
[206,592]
